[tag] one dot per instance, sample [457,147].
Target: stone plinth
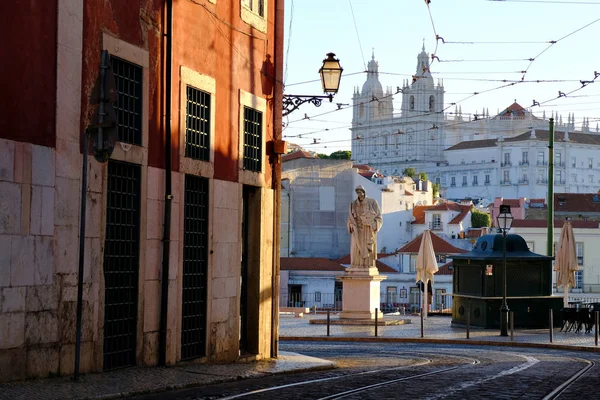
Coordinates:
[360,295]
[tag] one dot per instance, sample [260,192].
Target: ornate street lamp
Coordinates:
[505,220]
[331,74]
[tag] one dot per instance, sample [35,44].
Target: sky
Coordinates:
[486,46]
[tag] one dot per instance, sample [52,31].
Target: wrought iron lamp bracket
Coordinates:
[292,102]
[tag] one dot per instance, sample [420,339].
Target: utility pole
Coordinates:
[550,239]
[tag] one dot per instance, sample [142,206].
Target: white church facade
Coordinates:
[477,157]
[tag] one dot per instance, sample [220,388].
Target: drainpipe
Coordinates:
[550,240]
[277,137]
[164,294]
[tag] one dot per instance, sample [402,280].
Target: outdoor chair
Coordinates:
[569,319]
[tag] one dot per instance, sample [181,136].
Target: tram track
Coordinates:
[556,393]
[425,361]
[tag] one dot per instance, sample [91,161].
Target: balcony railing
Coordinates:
[542,163]
[523,163]
[505,182]
[543,181]
[506,164]
[436,226]
[523,181]
[559,181]
[559,164]
[487,183]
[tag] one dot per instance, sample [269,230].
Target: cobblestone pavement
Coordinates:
[134,381]
[414,370]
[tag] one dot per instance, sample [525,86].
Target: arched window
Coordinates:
[412,103]
[431,103]
[361,110]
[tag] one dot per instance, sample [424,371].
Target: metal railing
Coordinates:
[317,301]
[523,163]
[506,164]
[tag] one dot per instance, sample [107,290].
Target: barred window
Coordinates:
[252,139]
[128,79]
[197,124]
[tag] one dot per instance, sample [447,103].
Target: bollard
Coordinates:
[551,324]
[421,321]
[376,310]
[596,323]
[328,322]
[468,323]
[512,325]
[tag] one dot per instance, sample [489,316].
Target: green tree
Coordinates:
[341,155]
[409,172]
[423,176]
[480,219]
[321,155]
[436,190]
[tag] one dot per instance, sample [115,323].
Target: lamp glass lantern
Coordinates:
[331,74]
[505,220]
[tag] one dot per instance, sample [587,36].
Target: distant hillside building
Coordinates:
[315,203]
[479,156]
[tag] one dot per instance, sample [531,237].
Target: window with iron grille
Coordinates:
[128,79]
[197,124]
[252,139]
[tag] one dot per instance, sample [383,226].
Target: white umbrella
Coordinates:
[565,264]
[426,265]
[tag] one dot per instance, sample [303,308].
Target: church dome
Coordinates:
[372,85]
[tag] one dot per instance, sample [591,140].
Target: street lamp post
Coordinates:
[505,220]
[331,73]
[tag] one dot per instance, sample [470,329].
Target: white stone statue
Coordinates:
[364,222]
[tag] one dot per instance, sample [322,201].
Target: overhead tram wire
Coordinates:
[573,3]
[553,42]
[287,51]
[512,83]
[357,35]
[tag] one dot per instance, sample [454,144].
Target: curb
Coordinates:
[216,381]
[442,341]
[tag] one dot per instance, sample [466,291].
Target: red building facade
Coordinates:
[197,82]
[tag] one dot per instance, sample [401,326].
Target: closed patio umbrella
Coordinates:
[565,264]
[426,265]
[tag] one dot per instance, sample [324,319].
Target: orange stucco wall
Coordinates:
[210,39]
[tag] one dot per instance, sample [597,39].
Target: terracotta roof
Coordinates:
[310,264]
[440,246]
[380,266]
[558,223]
[577,202]
[363,167]
[407,193]
[541,201]
[513,203]
[514,110]
[445,269]
[476,232]
[295,155]
[473,144]
[419,211]
[419,214]
[540,135]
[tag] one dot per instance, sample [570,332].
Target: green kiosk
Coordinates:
[478,284]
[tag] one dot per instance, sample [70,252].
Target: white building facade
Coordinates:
[476,156]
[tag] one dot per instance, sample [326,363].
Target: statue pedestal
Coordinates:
[360,293]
